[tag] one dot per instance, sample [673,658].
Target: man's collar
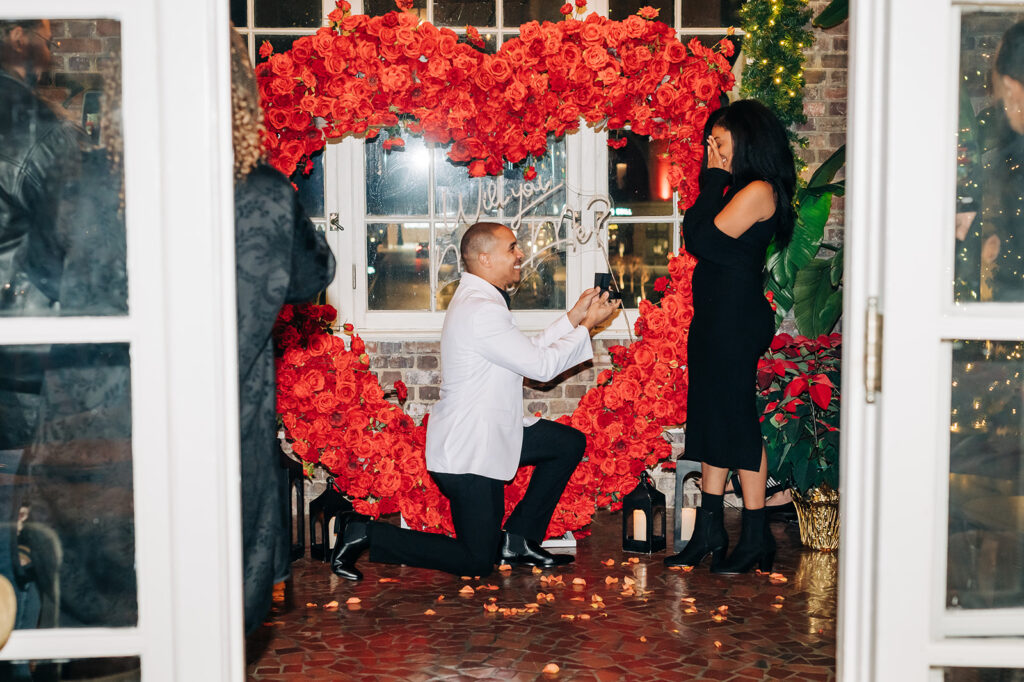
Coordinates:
[481,284]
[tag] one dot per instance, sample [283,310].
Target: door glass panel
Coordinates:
[398,266]
[982,675]
[238,13]
[620,9]
[397,181]
[375,8]
[722,13]
[638,176]
[638,254]
[66,484]
[986,479]
[543,274]
[62,241]
[519,12]
[291,14]
[989,221]
[464,12]
[107,669]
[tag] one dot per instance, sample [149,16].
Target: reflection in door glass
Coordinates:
[986,476]
[66,486]
[62,242]
[982,675]
[989,219]
[109,669]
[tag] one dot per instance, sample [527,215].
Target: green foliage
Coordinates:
[813,204]
[818,296]
[836,13]
[776,37]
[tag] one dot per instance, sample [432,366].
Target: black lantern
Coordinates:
[685,508]
[296,501]
[643,518]
[323,515]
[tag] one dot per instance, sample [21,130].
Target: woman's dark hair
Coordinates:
[1010,60]
[761,151]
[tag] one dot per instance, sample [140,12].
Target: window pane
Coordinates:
[986,509]
[458,194]
[543,274]
[446,254]
[398,266]
[983,675]
[109,669]
[280,43]
[620,9]
[375,8]
[638,176]
[239,15]
[638,254]
[62,233]
[989,226]
[519,12]
[464,12]
[291,14]
[311,187]
[66,449]
[704,13]
[545,194]
[397,180]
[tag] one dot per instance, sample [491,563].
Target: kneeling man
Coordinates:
[477,436]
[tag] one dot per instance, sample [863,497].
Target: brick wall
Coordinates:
[825,106]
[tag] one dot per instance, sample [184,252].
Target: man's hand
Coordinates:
[600,310]
[579,311]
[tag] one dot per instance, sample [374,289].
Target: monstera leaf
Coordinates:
[813,204]
[818,298]
[836,13]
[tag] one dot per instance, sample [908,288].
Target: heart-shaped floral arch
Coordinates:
[366,75]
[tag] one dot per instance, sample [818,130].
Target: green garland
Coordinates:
[776,37]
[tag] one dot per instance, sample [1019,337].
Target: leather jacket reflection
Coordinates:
[39,152]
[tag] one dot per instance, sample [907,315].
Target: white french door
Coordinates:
[932,572]
[164,473]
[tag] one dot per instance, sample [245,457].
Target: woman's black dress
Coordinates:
[733,325]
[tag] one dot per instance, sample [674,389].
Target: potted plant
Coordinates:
[798,398]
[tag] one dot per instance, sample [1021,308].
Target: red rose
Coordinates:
[566,9]
[404,4]
[648,13]
[266,49]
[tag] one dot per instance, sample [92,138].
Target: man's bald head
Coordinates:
[479,238]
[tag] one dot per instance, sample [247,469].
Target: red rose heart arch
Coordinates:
[363,75]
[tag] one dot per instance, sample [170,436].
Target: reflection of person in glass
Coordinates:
[74,483]
[280,258]
[1004,249]
[477,436]
[744,203]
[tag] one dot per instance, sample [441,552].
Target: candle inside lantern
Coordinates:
[687,517]
[639,525]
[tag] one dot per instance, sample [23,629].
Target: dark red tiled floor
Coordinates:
[769,630]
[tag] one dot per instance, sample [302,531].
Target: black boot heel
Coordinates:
[353,539]
[708,538]
[755,548]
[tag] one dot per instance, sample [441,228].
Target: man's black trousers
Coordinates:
[478,504]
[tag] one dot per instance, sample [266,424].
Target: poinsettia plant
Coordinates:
[798,397]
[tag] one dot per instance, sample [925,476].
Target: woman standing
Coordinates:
[744,203]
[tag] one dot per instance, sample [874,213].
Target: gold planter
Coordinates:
[817,511]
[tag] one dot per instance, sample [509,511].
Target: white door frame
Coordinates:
[893,624]
[181,327]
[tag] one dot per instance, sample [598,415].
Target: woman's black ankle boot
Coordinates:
[708,535]
[755,548]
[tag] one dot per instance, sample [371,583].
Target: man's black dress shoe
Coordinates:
[518,551]
[353,539]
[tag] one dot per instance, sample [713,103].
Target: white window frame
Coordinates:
[181,328]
